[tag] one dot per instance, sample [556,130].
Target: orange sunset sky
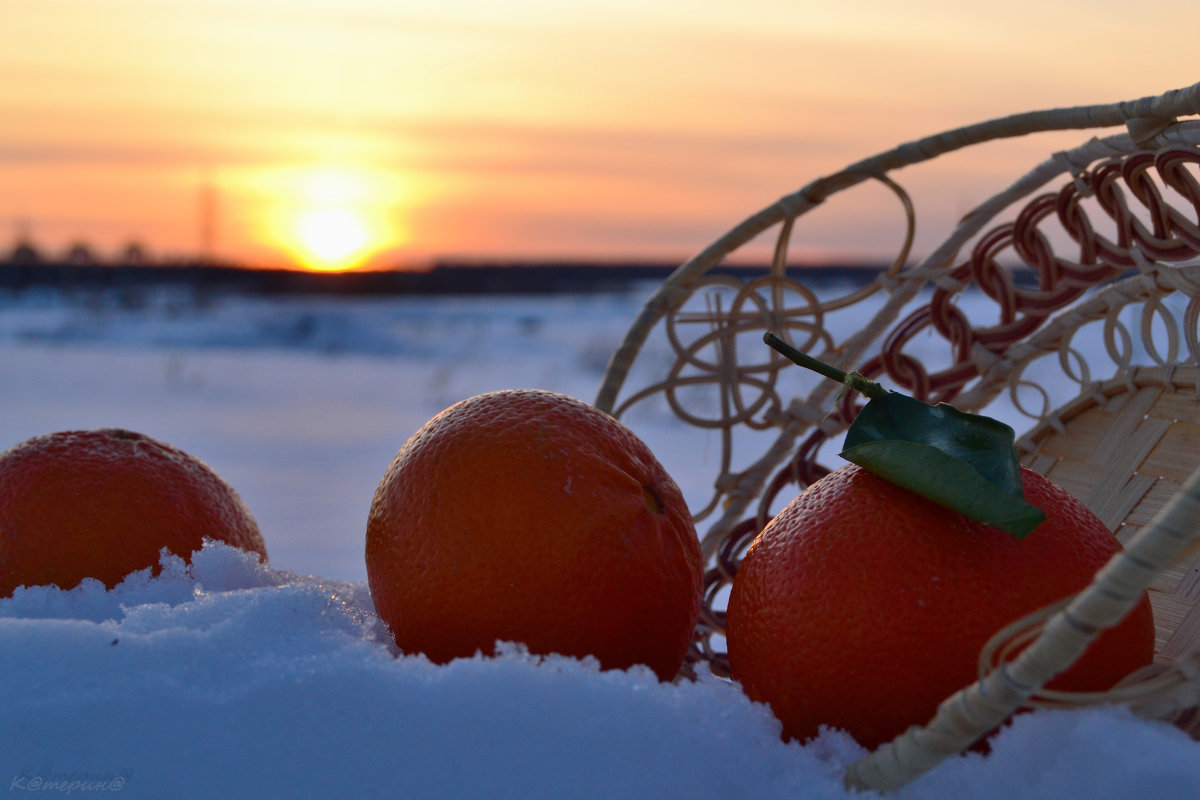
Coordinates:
[336,133]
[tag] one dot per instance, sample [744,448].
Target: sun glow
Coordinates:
[333,218]
[331,238]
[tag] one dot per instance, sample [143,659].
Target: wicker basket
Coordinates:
[1098,354]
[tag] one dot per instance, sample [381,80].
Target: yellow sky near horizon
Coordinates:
[332,132]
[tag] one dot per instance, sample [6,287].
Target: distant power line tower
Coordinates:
[207,212]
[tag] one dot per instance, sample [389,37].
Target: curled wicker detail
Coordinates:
[1136,318]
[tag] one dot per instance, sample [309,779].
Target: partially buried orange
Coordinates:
[104,503]
[530,516]
[862,604]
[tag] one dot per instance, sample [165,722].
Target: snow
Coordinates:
[229,678]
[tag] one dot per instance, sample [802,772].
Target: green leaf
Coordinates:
[966,462]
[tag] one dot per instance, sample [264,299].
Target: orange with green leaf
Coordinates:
[867,600]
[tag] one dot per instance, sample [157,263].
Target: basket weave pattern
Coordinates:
[1120,431]
[1125,451]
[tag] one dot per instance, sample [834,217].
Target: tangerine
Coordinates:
[862,605]
[530,516]
[104,503]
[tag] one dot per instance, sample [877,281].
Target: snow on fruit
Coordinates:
[104,503]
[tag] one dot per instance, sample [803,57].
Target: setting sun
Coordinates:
[331,238]
[329,218]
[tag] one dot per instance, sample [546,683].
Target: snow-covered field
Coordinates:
[299,403]
[231,679]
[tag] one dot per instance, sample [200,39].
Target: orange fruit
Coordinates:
[862,605]
[103,503]
[529,516]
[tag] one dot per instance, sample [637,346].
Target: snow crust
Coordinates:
[230,679]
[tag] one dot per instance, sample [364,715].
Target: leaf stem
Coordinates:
[851,380]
